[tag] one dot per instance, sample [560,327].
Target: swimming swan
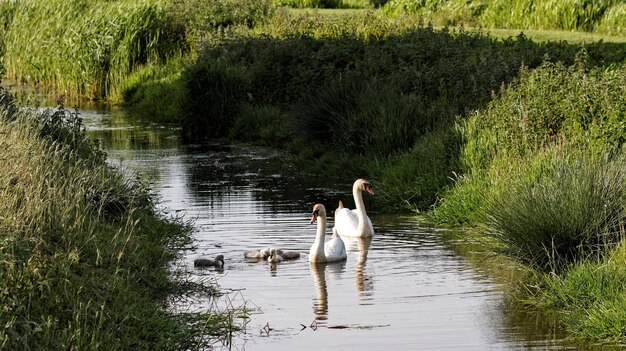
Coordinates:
[207,262]
[332,251]
[355,222]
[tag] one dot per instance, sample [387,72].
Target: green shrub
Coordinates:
[264,125]
[360,116]
[213,94]
[201,16]
[156,92]
[328,4]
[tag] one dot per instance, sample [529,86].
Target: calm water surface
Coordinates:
[410,288]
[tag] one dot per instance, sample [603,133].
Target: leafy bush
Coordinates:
[264,125]
[546,108]
[200,16]
[213,94]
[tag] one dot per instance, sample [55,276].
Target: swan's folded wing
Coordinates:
[346,221]
[334,249]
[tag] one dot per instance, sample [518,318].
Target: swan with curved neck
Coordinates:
[355,222]
[331,251]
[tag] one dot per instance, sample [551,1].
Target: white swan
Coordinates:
[332,251]
[207,262]
[355,222]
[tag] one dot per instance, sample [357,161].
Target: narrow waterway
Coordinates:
[412,287]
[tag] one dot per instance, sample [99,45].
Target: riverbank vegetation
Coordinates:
[83,259]
[523,139]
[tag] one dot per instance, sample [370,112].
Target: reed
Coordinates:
[82,247]
[87,48]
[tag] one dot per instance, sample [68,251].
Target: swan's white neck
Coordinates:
[318,245]
[360,206]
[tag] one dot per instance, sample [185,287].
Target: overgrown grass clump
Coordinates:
[571,208]
[83,255]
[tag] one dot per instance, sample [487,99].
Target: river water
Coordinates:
[412,287]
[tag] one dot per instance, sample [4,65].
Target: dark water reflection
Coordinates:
[410,288]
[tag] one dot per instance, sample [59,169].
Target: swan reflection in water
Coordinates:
[364,283]
[360,247]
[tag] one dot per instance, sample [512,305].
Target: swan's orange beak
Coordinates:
[314,217]
[368,188]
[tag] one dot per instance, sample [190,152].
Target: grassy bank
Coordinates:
[543,173]
[83,260]
[518,137]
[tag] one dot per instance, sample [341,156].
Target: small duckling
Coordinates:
[289,255]
[263,254]
[207,262]
[275,257]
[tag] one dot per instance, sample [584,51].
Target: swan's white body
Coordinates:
[332,250]
[355,222]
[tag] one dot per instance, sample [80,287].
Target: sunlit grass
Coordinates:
[82,251]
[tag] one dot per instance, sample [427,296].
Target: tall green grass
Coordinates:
[83,255]
[590,296]
[327,4]
[87,48]
[571,15]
